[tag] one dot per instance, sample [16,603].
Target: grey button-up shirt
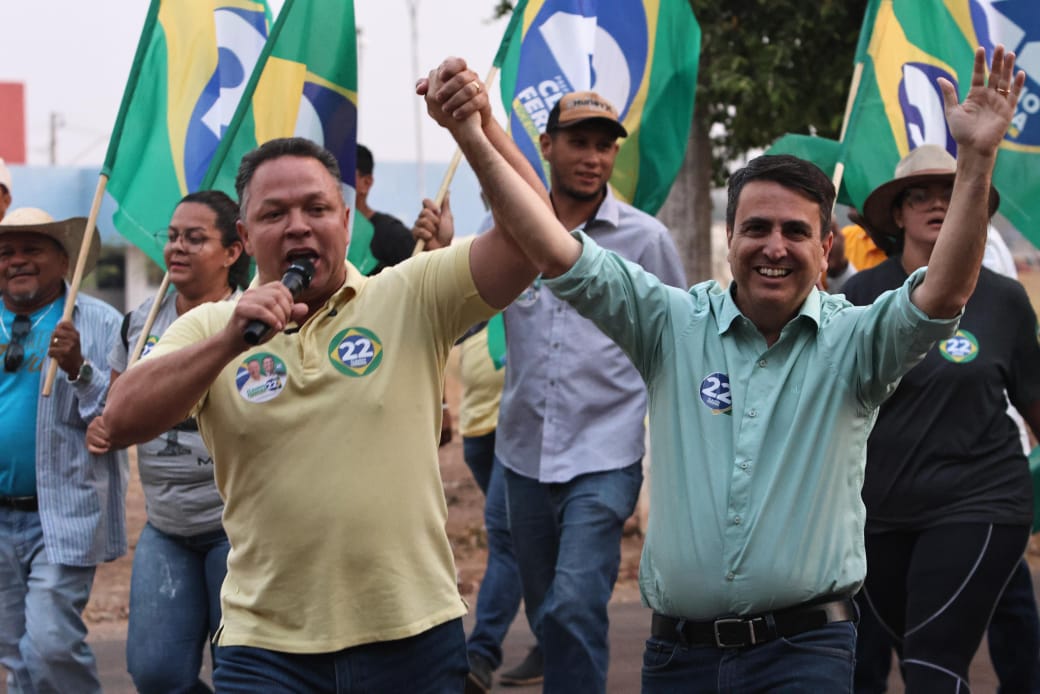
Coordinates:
[573,403]
[81,496]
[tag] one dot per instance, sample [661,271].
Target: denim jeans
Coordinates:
[433,662]
[567,539]
[42,634]
[820,660]
[174,608]
[499,598]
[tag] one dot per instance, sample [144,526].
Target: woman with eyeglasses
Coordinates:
[181,556]
[947,488]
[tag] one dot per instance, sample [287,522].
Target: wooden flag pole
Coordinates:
[149,321]
[453,165]
[839,168]
[77,275]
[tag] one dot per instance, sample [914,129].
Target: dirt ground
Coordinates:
[109,601]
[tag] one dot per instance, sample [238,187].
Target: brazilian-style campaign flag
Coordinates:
[906,45]
[822,151]
[304,84]
[189,72]
[641,55]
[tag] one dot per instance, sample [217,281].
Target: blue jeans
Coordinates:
[433,662]
[42,634]
[820,660]
[567,539]
[499,598]
[174,608]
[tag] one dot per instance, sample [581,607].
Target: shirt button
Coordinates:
[730,576]
[752,413]
[552,383]
[736,520]
[762,363]
[745,465]
[556,345]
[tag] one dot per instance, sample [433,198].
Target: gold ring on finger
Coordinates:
[1003,92]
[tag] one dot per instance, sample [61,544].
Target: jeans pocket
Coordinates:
[836,640]
[658,654]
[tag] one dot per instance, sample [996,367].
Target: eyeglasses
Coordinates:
[15,354]
[922,198]
[191,242]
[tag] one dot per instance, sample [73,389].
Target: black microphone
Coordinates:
[296,278]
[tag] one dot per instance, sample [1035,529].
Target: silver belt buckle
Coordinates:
[733,620]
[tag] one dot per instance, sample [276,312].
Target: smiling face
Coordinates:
[581,159]
[32,270]
[293,208]
[776,253]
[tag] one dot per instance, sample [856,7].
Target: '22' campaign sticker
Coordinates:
[356,352]
[961,348]
[715,393]
[261,377]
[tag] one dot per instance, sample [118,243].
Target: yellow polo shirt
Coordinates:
[333,499]
[481,387]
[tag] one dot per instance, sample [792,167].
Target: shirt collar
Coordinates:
[609,211]
[729,312]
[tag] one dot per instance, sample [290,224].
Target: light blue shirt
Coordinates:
[572,403]
[18,422]
[81,496]
[758,452]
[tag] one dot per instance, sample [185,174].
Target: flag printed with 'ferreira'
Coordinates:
[641,55]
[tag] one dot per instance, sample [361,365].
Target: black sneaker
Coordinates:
[479,679]
[527,672]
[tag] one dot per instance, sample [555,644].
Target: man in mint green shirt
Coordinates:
[761,400]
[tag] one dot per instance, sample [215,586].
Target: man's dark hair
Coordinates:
[227,212]
[793,173]
[281,147]
[365,164]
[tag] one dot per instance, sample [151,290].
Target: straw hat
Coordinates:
[68,233]
[924,165]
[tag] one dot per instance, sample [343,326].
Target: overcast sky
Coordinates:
[74,57]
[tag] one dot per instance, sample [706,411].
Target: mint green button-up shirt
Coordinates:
[758,452]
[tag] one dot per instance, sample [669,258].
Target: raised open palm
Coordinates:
[982,119]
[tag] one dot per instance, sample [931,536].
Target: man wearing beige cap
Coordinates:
[5,188]
[61,509]
[570,433]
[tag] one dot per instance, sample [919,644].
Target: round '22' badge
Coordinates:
[961,348]
[356,352]
[715,393]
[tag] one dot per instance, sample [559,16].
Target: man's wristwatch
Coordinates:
[85,375]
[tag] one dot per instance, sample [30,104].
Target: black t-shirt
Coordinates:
[943,449]
[392,241]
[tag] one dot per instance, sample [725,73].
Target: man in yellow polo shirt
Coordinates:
[340,575]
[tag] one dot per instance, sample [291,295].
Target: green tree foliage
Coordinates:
[770,67]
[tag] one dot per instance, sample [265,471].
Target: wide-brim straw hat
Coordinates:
[923,165]
[68,233]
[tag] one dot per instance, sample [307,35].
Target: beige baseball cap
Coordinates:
[584,107]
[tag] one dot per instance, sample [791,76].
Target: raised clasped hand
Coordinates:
[454,94]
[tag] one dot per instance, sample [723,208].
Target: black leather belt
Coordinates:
[19,503]
[739,632]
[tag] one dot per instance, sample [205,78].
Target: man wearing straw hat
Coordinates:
[61,509]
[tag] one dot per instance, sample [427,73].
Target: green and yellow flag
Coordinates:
[904,47]
[641,55]
[304,84]
[188,75]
